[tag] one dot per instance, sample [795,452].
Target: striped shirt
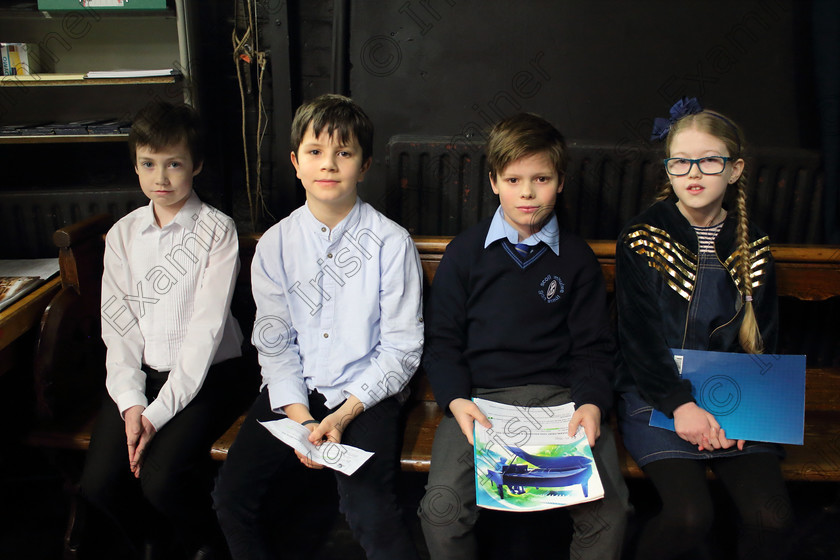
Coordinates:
[706,236]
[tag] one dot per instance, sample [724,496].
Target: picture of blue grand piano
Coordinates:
[529,462]
[551,472]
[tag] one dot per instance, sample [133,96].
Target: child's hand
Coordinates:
[333,425]
[466,413]
[139,432]
[133,429]
[306,461]
[697,426]
[300,413]
[588,416]
[727,443]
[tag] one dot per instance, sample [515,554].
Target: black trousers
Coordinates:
[367,499]
[176,477]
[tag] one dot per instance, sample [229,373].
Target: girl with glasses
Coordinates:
[693,273]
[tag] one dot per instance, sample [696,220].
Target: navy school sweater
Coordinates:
[493,321]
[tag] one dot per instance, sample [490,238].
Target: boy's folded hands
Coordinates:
[330,428]
[139,431]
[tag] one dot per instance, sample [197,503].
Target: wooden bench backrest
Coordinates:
[805,272]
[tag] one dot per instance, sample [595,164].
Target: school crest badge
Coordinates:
[552,288]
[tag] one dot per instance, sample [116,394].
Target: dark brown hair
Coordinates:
[160,124]
[337,114]
[524,135]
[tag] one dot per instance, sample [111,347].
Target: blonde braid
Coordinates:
[749,335]
[664,192]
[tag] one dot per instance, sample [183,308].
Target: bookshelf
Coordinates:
[62,138]
[61,80]
[72,43]
[51,180]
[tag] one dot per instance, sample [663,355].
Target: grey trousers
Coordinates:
[448,511]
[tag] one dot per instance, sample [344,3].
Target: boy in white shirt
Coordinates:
[173,373]
[339,331]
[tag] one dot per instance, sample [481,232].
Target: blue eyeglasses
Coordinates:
[711,165]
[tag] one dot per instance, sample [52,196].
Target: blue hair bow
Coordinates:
[680,109]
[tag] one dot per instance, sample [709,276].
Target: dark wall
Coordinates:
[600,70]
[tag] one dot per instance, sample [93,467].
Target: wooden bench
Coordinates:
[68,369]
[805,273]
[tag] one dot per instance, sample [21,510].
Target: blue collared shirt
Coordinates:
[500,229]
[338,311]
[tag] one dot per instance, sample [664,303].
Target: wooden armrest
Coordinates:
[81,231]
[80,251]
[69,366]
[48,355]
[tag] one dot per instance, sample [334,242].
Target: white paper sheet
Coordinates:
[343,458]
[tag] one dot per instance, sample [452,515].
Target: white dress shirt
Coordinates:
[338,310]
[166,296]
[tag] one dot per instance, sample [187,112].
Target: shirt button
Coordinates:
[323,229]
[326,335]
[329,255]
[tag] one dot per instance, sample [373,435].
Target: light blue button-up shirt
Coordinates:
[338,310]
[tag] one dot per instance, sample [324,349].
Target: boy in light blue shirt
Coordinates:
[338,289]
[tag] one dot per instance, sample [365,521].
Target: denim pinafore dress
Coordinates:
[709,309]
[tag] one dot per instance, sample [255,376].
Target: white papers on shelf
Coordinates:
[130,73]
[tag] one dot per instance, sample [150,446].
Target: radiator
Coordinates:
[440,187]
[29,218]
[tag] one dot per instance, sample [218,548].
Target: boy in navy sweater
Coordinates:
[518,315]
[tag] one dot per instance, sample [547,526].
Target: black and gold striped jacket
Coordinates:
[656,262]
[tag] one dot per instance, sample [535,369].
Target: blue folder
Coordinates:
[755,397]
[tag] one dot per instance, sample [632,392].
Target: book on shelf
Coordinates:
[33,79]
[94,74]
[45,130]
[75,128]
[111,126]
[19,58]
[19,277]
[15,129]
